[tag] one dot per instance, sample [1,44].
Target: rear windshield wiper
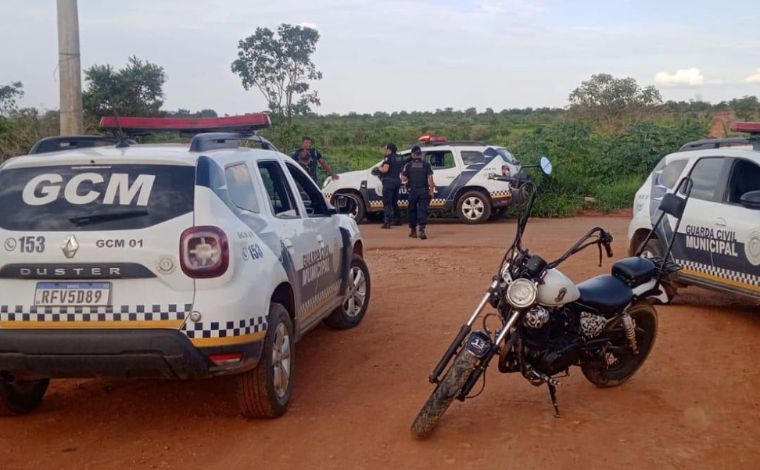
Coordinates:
[106,217]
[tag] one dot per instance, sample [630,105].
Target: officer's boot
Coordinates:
[423,236]
[413,232]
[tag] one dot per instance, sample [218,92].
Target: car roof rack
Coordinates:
[715,143]
[70,142]
[224,140]
[752,128]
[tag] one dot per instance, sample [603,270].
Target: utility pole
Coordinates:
[69,68]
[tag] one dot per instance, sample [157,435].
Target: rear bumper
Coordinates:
[115,353]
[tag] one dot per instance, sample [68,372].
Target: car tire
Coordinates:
[359,211]
[653,249]
[20,397]
[355,298]
[261,392]
[473,207]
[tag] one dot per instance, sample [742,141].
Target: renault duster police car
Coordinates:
[168,261]
[718,242]
[463,173]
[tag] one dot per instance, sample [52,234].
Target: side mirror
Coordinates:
[750,200]
[331,210]
[545,164]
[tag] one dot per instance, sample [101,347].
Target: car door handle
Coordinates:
[320,240]
[720,222]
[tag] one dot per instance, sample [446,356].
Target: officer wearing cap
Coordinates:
[390,176]
[418,175]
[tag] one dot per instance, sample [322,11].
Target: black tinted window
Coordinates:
[706,176]
[114,197]
[278,189]
[745,177]
[440,160]
[671,172]
[240,187]
[472,157]
[312,197]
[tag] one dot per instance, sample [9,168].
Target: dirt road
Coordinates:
[695,403]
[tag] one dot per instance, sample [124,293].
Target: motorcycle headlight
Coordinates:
[522,293]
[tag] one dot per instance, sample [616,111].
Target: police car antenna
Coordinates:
[123,140]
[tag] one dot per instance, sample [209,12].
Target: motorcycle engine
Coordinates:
[551,339]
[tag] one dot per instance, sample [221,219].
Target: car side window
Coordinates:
[706,176]
[472,157]
[745,177]
[278,189]
[312,197]
[240,187]
[440,160]
[671,172]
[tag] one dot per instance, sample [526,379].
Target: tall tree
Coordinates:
[135,90]
[280,67]
[606,98]
[8,96]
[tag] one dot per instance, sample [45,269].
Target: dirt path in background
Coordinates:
[694,404]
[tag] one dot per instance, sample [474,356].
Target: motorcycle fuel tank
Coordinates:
[557,289]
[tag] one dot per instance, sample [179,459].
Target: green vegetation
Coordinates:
[602,147]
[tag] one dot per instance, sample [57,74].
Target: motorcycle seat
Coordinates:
[606,294]
[634,271]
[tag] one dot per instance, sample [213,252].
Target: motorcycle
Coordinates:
[546,323]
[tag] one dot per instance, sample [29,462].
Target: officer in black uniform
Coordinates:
[418,175]
[390,176]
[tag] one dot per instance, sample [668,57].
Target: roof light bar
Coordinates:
[749,127]
[246,123]
[430,138]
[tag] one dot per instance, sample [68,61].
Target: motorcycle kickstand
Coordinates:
[553,396]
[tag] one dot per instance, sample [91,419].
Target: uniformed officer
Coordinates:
[307,145]
[390,176]
[418,175]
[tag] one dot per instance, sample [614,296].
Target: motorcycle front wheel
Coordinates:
[444,394]
[619,362]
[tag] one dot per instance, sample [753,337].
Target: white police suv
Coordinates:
[718,241]
[463,173]
[170,261]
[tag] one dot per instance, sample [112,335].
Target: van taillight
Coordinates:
[204,252]
[505,170]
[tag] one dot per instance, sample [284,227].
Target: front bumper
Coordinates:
[158,353]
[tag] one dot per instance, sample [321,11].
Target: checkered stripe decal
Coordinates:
[320,298]
[433,202]
[225,329]
[94,314]
[744,278]
[500,194]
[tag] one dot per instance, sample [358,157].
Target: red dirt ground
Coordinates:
[694,404]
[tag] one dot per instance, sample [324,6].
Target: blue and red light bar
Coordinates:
[431,139]
[749,127]
[246,123]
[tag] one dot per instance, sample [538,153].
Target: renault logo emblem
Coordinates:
[70,246]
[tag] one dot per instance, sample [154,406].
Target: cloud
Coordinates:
[306,24]
[519,8]
[682,77]
[753,77]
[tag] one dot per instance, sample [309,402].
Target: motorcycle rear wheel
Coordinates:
[444,394]
[621,367]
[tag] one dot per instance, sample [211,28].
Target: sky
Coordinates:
[393,55]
